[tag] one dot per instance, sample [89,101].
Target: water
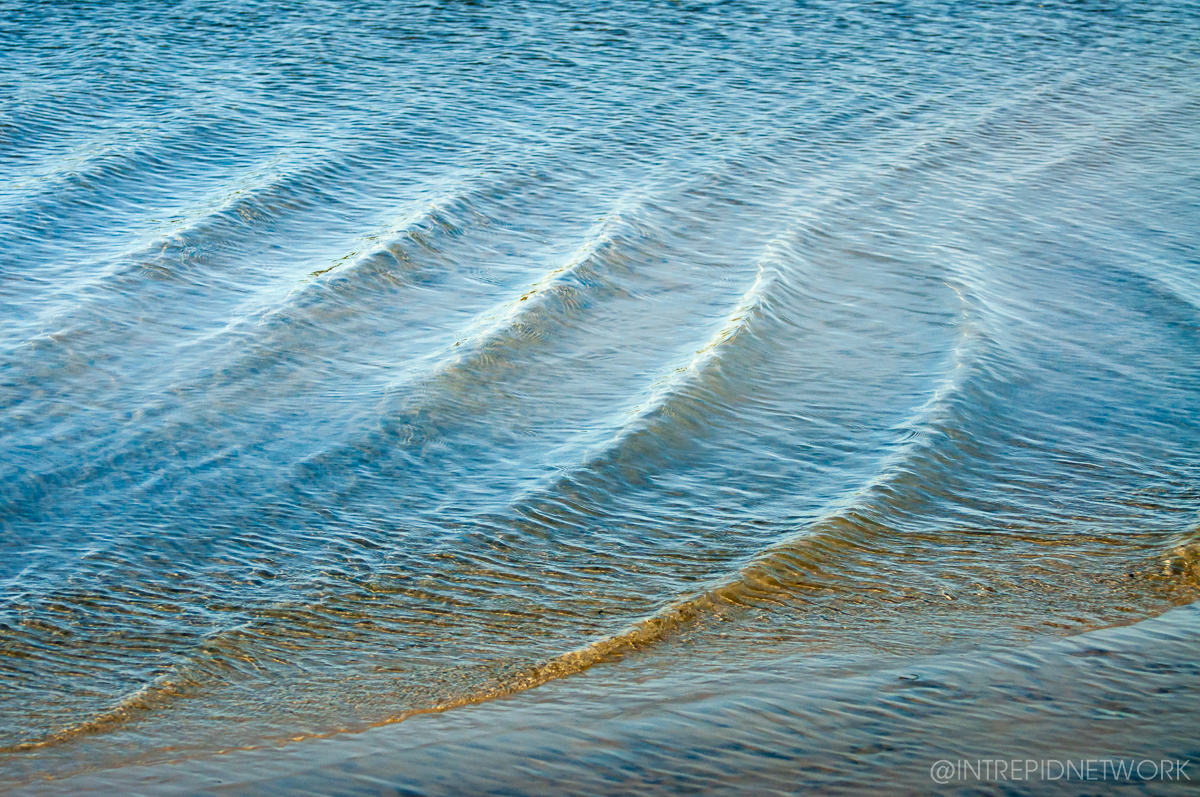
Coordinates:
[369,359]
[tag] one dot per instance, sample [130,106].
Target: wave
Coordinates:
[552,300]
[390,258]
[552,294]
[782,568]
[794,563]
[208,243]
[1168,290]
[604,267]
[556,293]
[184,680]
[97,164]
[158,692]
[188,253]
[400,257]
[169,208]
[692,387]
[430,399]
[680,400]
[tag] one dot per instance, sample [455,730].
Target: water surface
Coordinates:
[367,359]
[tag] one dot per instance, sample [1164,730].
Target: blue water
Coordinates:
[366,359]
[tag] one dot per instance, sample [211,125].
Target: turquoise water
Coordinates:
[368,359]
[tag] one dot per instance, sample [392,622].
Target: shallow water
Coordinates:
[1123,698]
[377,358]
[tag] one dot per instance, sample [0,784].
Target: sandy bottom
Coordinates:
[1008,721]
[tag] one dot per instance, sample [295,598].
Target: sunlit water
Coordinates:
[363,359]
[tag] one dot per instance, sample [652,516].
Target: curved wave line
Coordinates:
[765,572]
[419,223]
[174,684]
[92,161]
[735,588]
[1166,286]
[249,189]
[747,584]
[769,566]
[481,340]
[674,384]
[166,687]
[492,323]
[420,219]
[157,692]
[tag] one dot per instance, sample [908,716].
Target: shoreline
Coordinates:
[1115,694]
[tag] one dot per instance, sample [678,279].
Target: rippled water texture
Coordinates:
[363,359]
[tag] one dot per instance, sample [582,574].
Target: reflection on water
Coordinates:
[369,360]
